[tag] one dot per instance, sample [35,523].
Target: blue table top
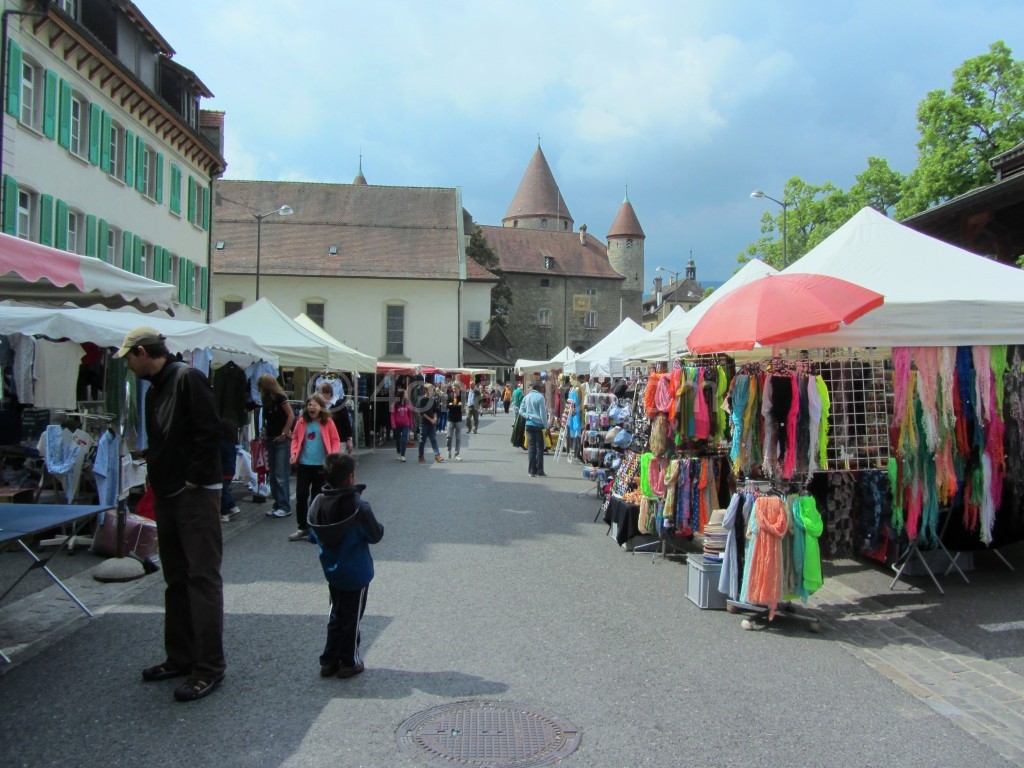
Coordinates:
[19,520]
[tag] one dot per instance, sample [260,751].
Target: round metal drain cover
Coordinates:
[487,734]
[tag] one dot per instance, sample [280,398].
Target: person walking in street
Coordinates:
[401,422]
[185,474]
[441,401]
[506,398]
[517,399]
[426,406]
[473,396]
[343,528]
[278,420]
[535,412]
[455,412]
[314,437]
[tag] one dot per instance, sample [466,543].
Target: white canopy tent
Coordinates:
[367,364]
[556,363]
[605,357]
[670,335]
[108,329]
[935,294]
[295,345]
[37,274]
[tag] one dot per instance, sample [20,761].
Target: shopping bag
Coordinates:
[258,449]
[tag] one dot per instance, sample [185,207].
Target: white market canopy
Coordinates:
[296,346]
[605,357]
[108,329]
[556,363]
[935,293]
[38,274]
[365,363]
[670,335]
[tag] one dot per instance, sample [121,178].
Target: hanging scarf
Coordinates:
[799,547]
[814,427]
[813,526]
[720,392]
[901,384]
[701,417]
[728,579]
[766,571]
[896,494]
[740,394]
[789,464]
[927,360]
[823,426]
[947,381]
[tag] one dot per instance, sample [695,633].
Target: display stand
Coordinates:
[759,618]
[660,548]
[914,551]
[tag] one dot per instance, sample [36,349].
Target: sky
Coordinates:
[685,105]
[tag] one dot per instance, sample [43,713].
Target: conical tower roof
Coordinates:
[538,194]
[360,180]
[626,223]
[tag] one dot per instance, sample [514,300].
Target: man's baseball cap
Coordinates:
[139,337]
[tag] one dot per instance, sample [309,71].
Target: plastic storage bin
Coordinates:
[702,583]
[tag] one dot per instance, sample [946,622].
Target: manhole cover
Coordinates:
[487,733]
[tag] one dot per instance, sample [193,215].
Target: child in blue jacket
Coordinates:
[343,526]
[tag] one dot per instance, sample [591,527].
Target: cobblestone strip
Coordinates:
[37,621]
[982,697]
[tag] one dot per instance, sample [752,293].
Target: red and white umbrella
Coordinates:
[779,308]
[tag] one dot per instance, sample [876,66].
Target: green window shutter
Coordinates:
[10,205]
[126,251]
[140,161]
[60,239]
[137,255]
[175,189]
[191,199]
[189,282]
[50,105]
[95,133]
[64,129]
[102,233]
[204,278]
[206,208]
[90,236]
[159,177]
[129,158]
[106,126]
[13,78]
[46,219]
[181,280]
[158,263]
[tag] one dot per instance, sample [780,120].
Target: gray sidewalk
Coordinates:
[495,586]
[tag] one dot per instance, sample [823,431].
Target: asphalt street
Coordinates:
[496,586]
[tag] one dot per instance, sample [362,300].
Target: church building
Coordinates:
[568,287]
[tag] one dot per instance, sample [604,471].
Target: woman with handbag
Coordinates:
[278,419]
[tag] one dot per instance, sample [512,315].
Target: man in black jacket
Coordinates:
[184,472]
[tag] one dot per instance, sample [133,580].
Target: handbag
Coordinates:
[258,449]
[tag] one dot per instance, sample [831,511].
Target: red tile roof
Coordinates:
[626,223]
[379,231]
[523,250]
[538,193]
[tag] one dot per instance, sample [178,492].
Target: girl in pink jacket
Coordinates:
[401,422]
[313,437]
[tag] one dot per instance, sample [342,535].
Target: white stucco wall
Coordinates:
[354,310]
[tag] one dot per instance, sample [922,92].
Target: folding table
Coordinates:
[23,521]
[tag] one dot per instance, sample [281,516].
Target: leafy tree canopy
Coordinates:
[501,295]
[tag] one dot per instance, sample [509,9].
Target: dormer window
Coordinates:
[549,262]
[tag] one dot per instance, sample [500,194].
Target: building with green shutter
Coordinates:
[105,151]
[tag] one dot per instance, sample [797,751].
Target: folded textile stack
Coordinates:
[715,537]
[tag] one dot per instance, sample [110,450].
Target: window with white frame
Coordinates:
[76,232]
[197,285]
[590,320]
[175,271]
[70,7]
[395,330]
[544,318]
[116,151]
[113,246]
[202,197]
[147,260]
[79,126]
[149,173]
[32,92]
[475,330]
[591,292]
[315,312]
[27,213]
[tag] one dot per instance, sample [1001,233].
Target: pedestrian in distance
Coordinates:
[228,463]
[278,421]
[343,527]
[185,474]
[473,397]
[314,437]
[401,422]
[534,411]
[426,406]
[517,399]
[441,399]
[340,414]
[506,398]
[455,413]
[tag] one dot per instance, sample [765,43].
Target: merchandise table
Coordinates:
[23,521]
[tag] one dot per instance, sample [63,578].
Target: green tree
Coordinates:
[980,116]
[878,186]
[501,295]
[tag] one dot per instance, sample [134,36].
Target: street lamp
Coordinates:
[674,273]
[785,205]
[284,210]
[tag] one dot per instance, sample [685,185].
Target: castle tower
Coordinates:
[538,203]
[360,180]
[626,247]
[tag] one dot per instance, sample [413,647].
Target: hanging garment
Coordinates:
[728,579]
[812,524]
[766,569]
